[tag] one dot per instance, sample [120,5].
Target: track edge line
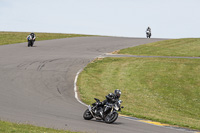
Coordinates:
[75,88]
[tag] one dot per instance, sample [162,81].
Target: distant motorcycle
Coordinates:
[30,41]
[110,111]
[148,34]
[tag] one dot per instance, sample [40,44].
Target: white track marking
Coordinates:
[75,88]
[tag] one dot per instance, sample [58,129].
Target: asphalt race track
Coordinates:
[37,84]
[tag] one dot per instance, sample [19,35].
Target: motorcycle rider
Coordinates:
[110,98]
[148,31]
[31,37]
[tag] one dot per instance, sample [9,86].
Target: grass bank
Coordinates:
[160,89]
[176,47]
[19,37]
[7,127]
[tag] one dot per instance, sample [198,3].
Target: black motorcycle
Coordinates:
[148,34]
[30,42]
[108,113]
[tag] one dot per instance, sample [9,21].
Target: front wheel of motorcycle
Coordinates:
[87,115]
[110,118]
[29,44]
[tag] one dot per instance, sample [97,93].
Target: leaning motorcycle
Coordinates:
[148,34]
[109,113]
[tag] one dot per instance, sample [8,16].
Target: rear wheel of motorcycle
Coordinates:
[110,118]
[87,115]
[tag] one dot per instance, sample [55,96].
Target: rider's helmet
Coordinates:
[32,35]
[117,93]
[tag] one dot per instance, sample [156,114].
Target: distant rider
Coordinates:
[31,38]
[148,29]
[110,98]
[148,32]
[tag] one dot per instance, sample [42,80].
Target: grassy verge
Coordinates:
[160,89]
[18,37]
[176,47]
[7,127]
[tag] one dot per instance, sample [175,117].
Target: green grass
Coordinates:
[159,89]
[8,127]
[19,37]
[176,47]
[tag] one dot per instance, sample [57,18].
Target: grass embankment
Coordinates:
[175,47]
[160,89]
[19,37]
[7,127]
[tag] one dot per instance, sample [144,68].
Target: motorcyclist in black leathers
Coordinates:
[31,38]
[148,29]
[110,98]
[148,32]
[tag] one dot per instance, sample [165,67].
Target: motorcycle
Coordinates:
[108,113]
[148,34]
[30,41]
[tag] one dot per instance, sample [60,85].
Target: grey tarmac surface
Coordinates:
[36,84]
